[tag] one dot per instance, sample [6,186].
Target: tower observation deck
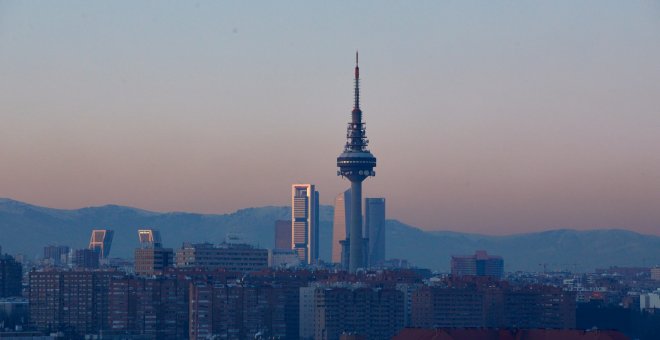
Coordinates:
[356,163]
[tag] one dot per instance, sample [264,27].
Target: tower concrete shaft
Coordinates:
[356,163]
[355,259]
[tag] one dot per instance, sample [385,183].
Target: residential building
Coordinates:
[307,312]
[375,313]
[650,300]
[150,307]
[527,334]
[236,311]
[492,305]
[72,301]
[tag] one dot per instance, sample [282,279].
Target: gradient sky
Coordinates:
[494,117]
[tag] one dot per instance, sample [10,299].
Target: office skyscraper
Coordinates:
[101,241]
[305,222]
[375,229]
[149,238]
[341,226]
[11,274]
[56,255]
[356,163]
[151,258]
[86,258]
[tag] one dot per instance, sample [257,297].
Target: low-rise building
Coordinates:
[232,257]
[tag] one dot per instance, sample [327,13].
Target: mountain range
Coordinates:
[26,229]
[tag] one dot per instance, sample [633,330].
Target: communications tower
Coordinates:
[356,163]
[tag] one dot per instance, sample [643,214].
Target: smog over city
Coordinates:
[329,170]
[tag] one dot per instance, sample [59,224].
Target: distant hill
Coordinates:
[26,228]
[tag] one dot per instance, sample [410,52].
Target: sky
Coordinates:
[493,117]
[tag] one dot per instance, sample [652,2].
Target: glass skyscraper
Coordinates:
[341,227]
[375,230]
[305,222]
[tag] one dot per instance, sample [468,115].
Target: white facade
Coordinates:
[307,312]
[655,274]
[649,300]
[282,258]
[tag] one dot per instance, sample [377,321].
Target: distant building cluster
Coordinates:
[227,291]
[492,305]
[198,303]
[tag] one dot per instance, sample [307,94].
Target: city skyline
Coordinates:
[513,118]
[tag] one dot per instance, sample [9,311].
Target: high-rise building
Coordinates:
[356,163]
[74,301]
[340,226]
[236,311]
[150,261]
[375,313]
[101,240]
[479,264]
[56,255]
[86,258]
[305,222]
[151,258]
[147,307]
[149,238]
[11,276]
[283,234]
[375,230]
[307,312]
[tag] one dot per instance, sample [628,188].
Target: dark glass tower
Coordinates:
[356,163]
